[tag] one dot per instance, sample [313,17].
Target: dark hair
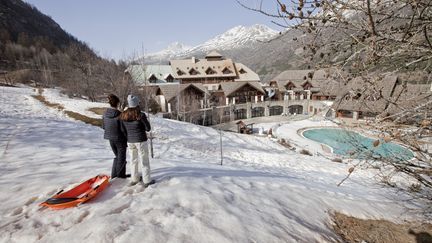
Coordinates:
[131,114]
[113,100]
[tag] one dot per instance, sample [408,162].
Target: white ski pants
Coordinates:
[139,151]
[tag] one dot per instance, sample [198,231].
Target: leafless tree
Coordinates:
[366,39]
[119,81]
[366,35]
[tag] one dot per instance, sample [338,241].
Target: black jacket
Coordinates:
[112,125]
[135,131]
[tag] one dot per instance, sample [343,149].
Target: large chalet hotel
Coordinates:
[217,89]
[212,81]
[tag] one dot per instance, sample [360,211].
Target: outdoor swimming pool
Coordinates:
[345,142]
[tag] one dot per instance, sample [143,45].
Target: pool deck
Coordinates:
[292,127]
[232,126]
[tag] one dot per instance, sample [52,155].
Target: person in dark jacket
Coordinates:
[112,132]
[134,124]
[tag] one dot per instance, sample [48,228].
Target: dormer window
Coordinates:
[169,78]
[290,86]
[307,86]
[226,71]
[374,96]
[210,71]
[180,73]
[152,78]
[193,71]
[356,96]
[242,71]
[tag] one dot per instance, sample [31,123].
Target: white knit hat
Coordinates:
[133,101]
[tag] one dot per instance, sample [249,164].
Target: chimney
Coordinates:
[193,60]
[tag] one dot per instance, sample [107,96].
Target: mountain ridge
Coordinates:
[234,38]
[264,50]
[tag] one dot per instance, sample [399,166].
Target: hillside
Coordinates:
[263,192]
[25,33]
[35,49]
[24,23]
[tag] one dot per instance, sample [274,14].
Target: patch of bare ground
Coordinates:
[86,119]
[98,110]
[352,229]
[42,99]
[71,114]
[7,85]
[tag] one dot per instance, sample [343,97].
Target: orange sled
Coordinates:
[79,194]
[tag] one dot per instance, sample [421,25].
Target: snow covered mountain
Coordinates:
[172,50]
[235,38]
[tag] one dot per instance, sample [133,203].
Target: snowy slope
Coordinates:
[262,193]
[234,38]
[73,104]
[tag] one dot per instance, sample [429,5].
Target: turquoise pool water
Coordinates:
[351,143]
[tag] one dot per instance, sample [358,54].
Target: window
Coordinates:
[357,96]
[226,71]
[307,86]
[193,72]
[152,78]
[180,73]
[226,112]
[290,86]
[210,71]
[242,71]
[169,78]
[374,96]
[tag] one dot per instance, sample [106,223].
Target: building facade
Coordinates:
[228,82]
[215,89]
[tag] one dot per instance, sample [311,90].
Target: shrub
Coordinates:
[284,143]
[415,187]
[305,152]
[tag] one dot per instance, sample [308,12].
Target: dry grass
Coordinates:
[71,114]
[352,229]
[86,119]
[42,99]
[98,110]
[6,85]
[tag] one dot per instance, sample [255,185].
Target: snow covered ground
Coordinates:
[263,192]
[73,104]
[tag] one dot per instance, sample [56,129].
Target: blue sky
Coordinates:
[116,29]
